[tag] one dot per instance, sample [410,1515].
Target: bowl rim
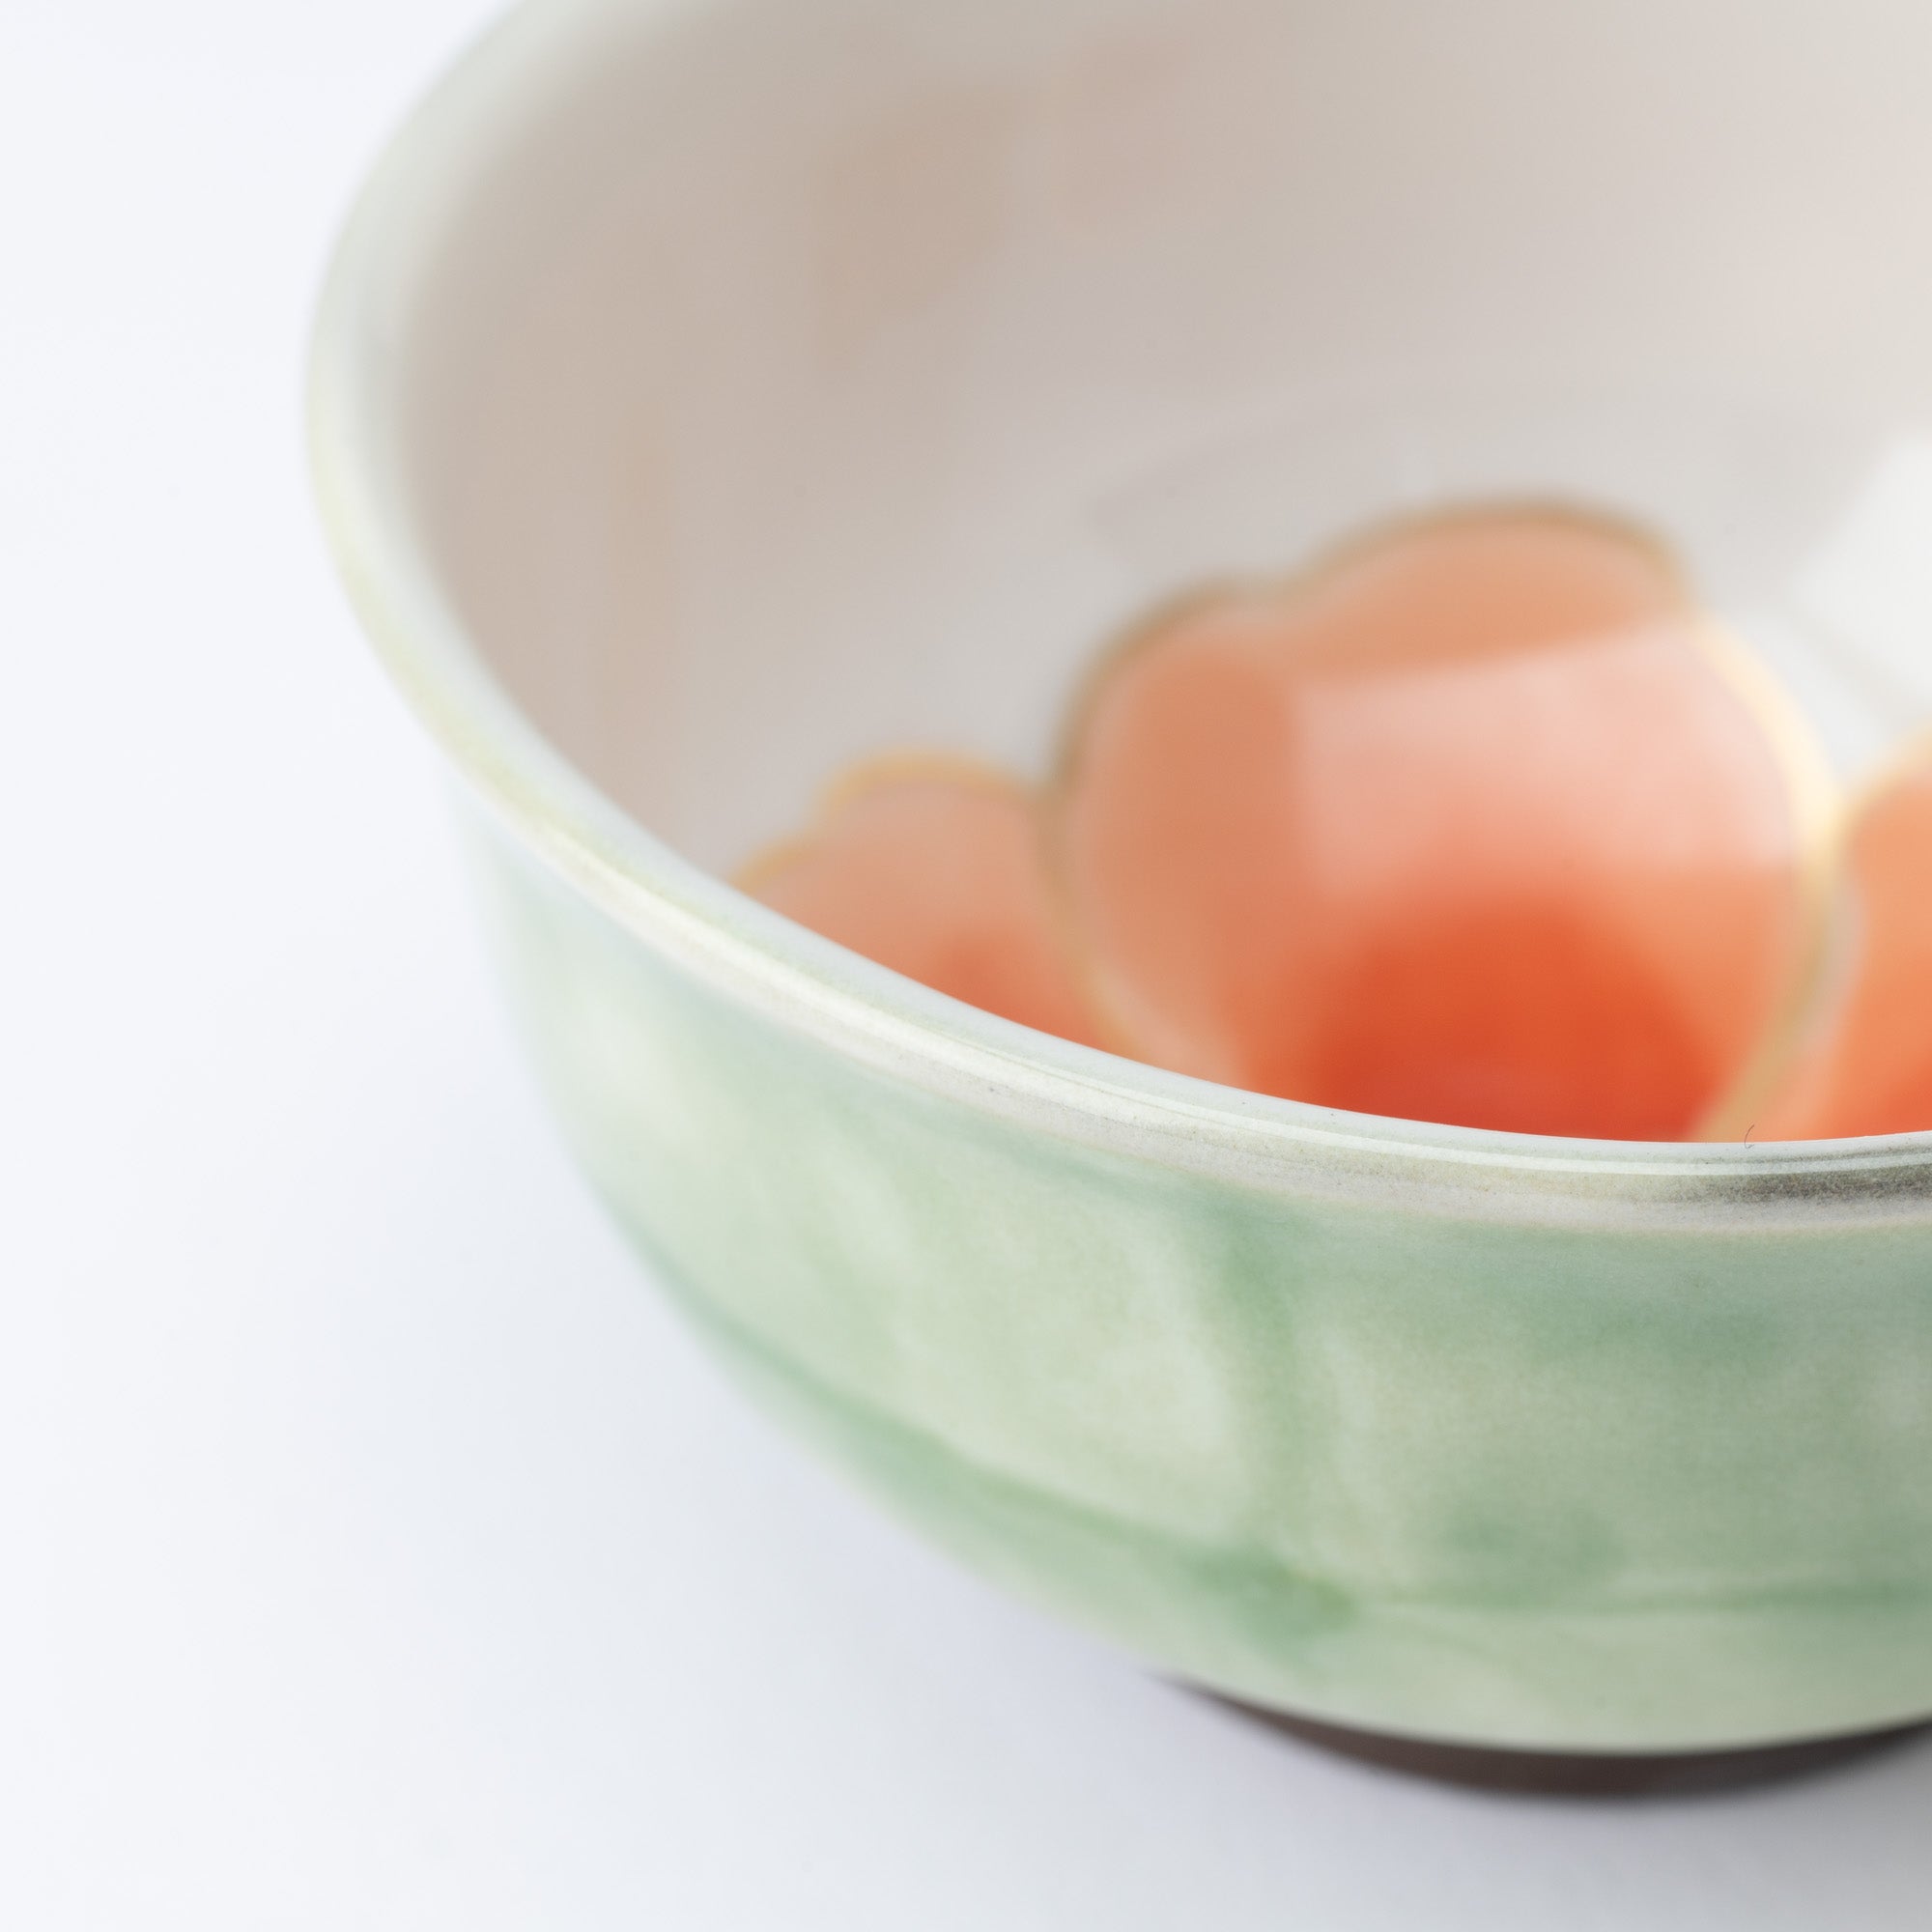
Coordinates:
[383,258]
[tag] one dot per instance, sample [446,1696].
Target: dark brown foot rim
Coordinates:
[1585,1774]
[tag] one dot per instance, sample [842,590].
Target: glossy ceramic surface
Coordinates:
[707,393]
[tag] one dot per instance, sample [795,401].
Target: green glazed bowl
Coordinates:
[707,393]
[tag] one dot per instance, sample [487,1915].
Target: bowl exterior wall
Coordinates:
[1467,1473]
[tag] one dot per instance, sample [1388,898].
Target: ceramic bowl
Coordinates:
[707,393]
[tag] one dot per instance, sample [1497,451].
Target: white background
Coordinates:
[377,1553]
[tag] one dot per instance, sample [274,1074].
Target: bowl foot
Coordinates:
[1584,1774]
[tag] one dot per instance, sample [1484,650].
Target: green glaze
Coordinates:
[1493,1476]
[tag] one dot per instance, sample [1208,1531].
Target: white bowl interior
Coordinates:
[794,381]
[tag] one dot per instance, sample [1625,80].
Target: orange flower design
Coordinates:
[1483,821]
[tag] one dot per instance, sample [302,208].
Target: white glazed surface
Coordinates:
[610,402]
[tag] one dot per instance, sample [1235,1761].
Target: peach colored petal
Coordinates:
[934,867]
[1473,824]
[1866,1068]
